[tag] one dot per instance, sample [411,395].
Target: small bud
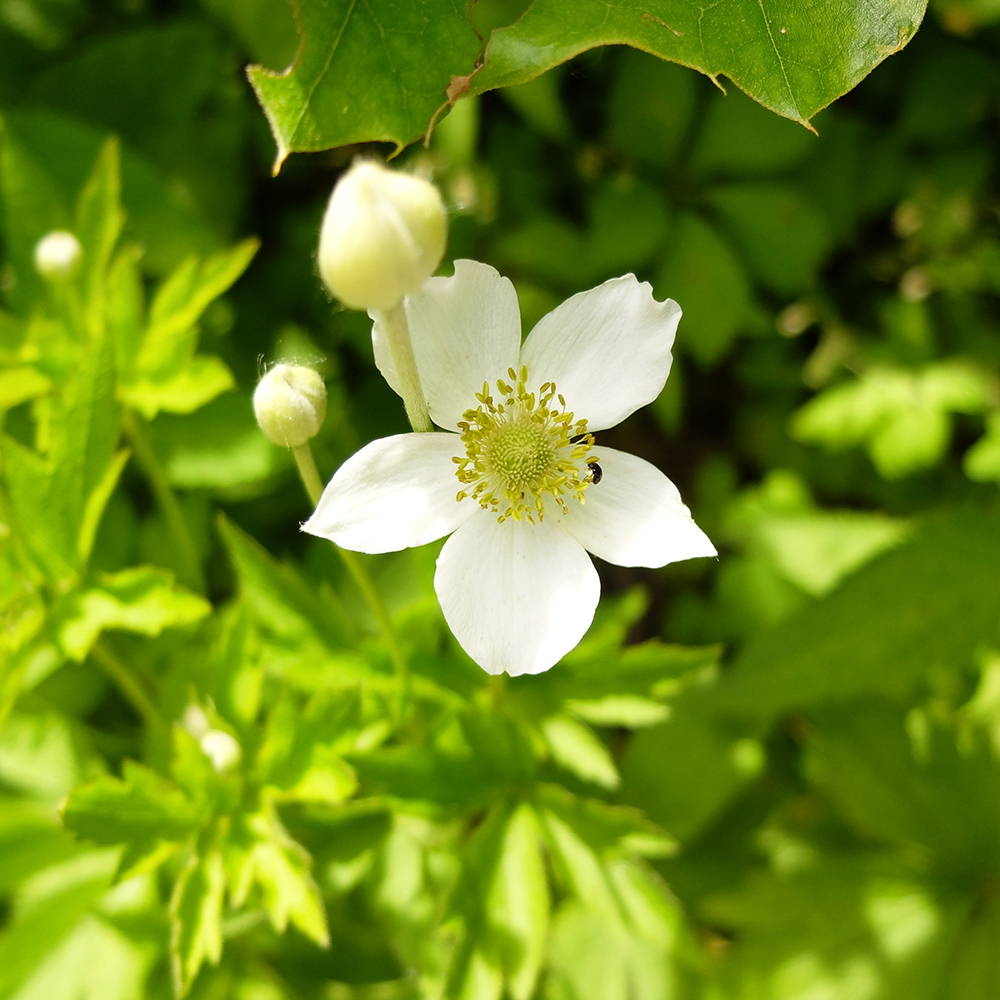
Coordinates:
[57,255]
[383,235]
[221,749]
[290,403]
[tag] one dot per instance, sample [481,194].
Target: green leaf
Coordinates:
[196,919]
[982,460]
[99,220]
[646,955]
[576,748]
[95,960]
[504,902]
[30,839]
[31,207]
[198,383]
[265,27]
[141,807]
[651,106]
[738,138]
[847,926]
[378,70]
[702,273]
[37,756]
[792,59]
[160,215]
[220,447]
[710,763]
[298,756]
[922,790]
[304,635]
[614,830]
[140,599]
[280,868]
[48,911]
[381,72]
[930,601]
[900,415]
[783,236]
[58,501]
[812,548]
[975,965]
[626,224]
[18,385]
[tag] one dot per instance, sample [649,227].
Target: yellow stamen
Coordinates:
[522,451]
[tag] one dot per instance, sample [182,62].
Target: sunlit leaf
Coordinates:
[378,70]
[793,60]
[141,599]
[196,919]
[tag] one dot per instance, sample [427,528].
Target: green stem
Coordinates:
[314,490]
[190,568]
[308,472]
[397,333]
[128,684]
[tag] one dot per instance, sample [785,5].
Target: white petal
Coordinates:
[465,330]
[517,596]
[395,493]
[634,516]
[607,350]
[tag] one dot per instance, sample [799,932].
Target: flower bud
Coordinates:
[57,255]
[290,404]
[383,235]
[221,749]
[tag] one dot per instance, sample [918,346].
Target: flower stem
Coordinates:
[314,490]
[308,472]
[190,568]
[124,678]
[397,333]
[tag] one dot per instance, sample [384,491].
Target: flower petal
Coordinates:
[634,516]
[465,330]
[395,493]
[607,350]
[517,596]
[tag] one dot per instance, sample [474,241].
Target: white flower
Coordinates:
[520,481]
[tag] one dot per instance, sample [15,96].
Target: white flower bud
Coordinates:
[57,255]
[383,235]
[290,403]
[221,749]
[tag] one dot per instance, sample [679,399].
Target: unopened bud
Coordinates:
[383,236]
[290,403]
[57,255]
[221,749]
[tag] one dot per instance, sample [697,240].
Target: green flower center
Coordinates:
[523,451]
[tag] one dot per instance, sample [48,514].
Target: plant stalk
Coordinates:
[397,333]
[314,490]
[190,567]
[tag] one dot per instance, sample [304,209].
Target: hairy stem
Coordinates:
[314,490]
[397,333]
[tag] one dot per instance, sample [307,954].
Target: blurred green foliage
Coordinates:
[774,776]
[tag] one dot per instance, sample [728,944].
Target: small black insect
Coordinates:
[596,473]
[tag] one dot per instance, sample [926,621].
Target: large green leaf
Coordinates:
[381,70]
[377,70]
[139,599]
[929,602]
[793,58]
